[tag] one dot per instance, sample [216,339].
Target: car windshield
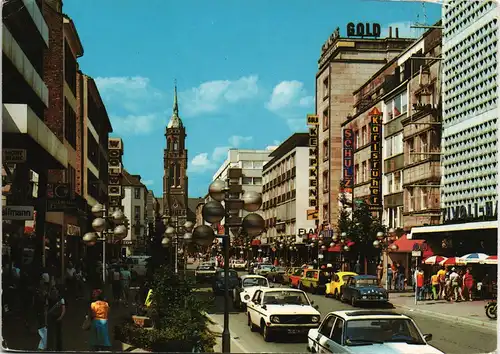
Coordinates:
[254,282]
[366,282]
[279,269]
[345,278]
[285,298]
[381,331]
[232,274]
[267,267]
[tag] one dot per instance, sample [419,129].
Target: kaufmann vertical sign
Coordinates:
[17,212]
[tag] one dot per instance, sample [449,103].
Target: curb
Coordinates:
[491,325]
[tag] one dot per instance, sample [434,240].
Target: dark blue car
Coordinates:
[218,284]
[364,289]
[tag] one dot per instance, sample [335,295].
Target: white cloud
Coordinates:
[297,124]
[203,161]
[276,143]
[211,95]
[289,94]
[148,182]
[133,124]
[404,30]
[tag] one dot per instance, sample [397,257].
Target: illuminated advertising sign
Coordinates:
[115,152]
[363,30]
[313,123]
[347,161]
[376,159]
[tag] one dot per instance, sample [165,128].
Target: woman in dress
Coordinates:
[99,311]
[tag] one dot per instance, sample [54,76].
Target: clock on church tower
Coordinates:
[175,180]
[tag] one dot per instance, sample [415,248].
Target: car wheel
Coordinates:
[266,333]
[342,298]
[251,325]
[353,302]
[336,294]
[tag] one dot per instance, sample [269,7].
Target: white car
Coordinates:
[239,264]
[281,310]
[263,269]
[363,331]
[247,286]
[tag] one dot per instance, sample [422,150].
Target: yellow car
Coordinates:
[334,288]
[309,280]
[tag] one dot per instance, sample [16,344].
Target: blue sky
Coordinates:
[245,69]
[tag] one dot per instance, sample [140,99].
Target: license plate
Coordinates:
[294,331]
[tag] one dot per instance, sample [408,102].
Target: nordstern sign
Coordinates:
[11,212]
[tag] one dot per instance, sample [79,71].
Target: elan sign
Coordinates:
[17,212]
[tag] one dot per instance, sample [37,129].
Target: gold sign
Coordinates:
[313,123]
[376,159]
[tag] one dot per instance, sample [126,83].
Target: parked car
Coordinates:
[218,285]
[240,264]
[364,288]
[247,286]
[355,331]
[335,286]
[310,280]
[289,272]
[276,274]
[295,277]
[205,271]
[263,269]
[281,310]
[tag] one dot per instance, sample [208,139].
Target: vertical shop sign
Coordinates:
[376,159]
[313,123]
[347,160]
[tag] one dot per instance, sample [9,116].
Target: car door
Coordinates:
[334,343]
[254,306]
[347,289]
[324,332]
[306,280]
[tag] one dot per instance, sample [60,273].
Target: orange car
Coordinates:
[295,277]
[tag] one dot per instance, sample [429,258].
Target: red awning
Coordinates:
[406,246]
[336,248]
[255,242]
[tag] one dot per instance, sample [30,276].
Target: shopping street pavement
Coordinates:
[74,338]
[456,327]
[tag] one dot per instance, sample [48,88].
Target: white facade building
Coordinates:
[134,207]
[285,194]
[470,109]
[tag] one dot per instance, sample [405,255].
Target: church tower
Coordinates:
[175,180]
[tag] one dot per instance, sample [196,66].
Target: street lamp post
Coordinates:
[385,242]
[252,225]
[174,232]
[104,222]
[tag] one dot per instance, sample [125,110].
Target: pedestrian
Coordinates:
[55,314]
[99,313]
[357,267]
[468,282]
[401,277]
[380,272]
[79,283]
[454,284]
[442,282]
[40,306]
[435,286]
[419,283]
[125,279]
[389,276]
[70,278]
[116,284]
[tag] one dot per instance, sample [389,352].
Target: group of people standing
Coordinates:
[446,284]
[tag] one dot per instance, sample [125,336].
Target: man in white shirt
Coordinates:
[454,283]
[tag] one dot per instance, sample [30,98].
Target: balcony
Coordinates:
[426,171]
[394,163]
[394,126]
[37,17]
[393,200]
[20,119]
[16,55]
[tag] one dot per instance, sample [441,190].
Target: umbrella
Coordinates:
[490,260]
[473,258]
[450,261]
[433,260]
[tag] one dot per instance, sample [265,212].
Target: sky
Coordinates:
[245,70]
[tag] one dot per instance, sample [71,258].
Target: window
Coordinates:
[137,213]
[70,67]
[357,143]
[411,199]
[326,88]
[92,149]
[258,164]
[356,174]
[424,146]
[247,164]
[364,175]
[411,150]
[69,124]
[325,181]
[325,150]
[397,181]
[338,330]
[326,120]
[388,147]
[404,102]
[325,211]
[364,136]
[71,179]
[257,181]
[326,328]
[247,180]
[292,184]
[137,193]
[424,198]
[397,144]
[176,145]
[396,106]
[390,184]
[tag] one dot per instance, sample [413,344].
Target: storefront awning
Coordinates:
[482,225]
[405,245]
[337,248]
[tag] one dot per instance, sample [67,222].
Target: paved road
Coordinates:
[449,338]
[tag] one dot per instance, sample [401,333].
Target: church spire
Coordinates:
[175,120]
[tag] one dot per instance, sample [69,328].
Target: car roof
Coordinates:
[367,314]
[252,276]
[364,277]
[267,290]
[346,273]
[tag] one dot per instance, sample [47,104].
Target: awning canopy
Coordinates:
[405,245]
[482,225]
[337,248]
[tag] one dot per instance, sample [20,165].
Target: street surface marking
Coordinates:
[233,339]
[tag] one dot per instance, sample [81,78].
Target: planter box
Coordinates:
[131,349]
[142,321]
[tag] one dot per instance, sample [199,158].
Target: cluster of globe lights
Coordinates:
[170,232]
[286,242]
[385,241]
[213,212]
[322,241]
[99,225]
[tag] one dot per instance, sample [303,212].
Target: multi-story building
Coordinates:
[135,208]
[285,210]
[30,146]
[345,64]
[469,142]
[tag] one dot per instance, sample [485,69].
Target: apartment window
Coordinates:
[364,136]
[69,124]
[364,175]
[326,120]
[357,143]
[411,150]
[397,144]
[258,164]
[92,149]
[325,211]
[424,198]
[390,184]
[137,193]
[424,145]
[404,102]
[356,174]
[247,164]
[326,88]
[388,147]
[247,180]
[137,213]
[70,67]
[411,199]
[397,181]
[257,181]
[325,150]
[92,184]
[292,184]
[325,181]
